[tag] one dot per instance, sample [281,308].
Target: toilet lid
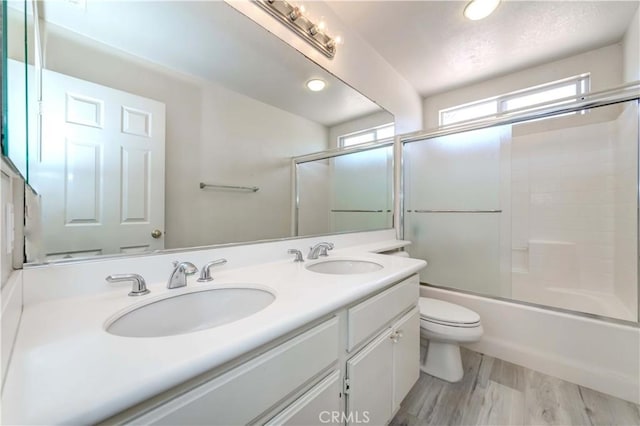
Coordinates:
[445,312]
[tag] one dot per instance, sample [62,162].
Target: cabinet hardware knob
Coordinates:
[156,233]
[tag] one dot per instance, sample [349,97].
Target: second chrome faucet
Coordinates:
[319,249]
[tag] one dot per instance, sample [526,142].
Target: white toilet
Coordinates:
[446,325]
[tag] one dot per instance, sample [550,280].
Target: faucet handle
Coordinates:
[298,253]
[139,284]
[205,273]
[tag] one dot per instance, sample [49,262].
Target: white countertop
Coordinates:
[66,369]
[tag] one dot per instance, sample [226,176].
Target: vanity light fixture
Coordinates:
[316,85]
[480,9]
[294,18]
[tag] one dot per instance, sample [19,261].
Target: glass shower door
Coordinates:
[457,209]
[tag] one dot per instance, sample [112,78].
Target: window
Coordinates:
[368,135]
[563,91]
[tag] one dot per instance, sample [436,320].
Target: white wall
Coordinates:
[246,143]
[355,62]
[213,135]
[604,64]
[631,46]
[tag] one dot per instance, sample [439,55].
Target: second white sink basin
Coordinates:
[189,312]
[344,267]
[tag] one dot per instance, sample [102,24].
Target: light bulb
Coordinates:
[479,9]
[322,25]
[316,85]
[338,40]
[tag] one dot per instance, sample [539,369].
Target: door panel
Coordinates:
[99,168]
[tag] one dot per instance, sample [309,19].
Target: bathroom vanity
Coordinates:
[341,345]
[311,374]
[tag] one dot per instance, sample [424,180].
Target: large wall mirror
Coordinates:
[170,125]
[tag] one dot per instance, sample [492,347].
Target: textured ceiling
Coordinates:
[436,49]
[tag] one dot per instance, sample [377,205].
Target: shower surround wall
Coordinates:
[573,214]
[625,245]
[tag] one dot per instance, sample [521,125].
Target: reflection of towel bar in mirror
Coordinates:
[455,211]
[229,187]
[360,211]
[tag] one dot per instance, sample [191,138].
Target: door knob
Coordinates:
[156,233]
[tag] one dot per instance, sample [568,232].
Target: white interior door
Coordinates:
[99,169]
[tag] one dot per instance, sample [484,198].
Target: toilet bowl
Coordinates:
[446,325]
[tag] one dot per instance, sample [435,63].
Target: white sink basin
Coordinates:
[190,312]
[344,267]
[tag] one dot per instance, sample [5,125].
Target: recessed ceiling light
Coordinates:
[479,9]
[316,85]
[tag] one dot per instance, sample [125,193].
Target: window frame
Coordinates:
[582,84]
[370,130]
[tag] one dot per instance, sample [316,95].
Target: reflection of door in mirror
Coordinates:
[100,169]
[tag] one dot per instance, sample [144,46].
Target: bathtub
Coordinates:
[591,352]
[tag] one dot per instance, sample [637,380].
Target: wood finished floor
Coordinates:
[495,392]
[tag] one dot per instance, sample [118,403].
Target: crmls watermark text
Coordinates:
[353,417]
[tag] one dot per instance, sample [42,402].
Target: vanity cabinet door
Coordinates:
[381,374]
[370,378]
[406,355]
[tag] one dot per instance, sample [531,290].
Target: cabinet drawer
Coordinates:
[242,394]
[314,407]
[371,315]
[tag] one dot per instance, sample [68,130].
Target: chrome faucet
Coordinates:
[205,273]
[180,273]
[319,249]
[298,253]
[139,285]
